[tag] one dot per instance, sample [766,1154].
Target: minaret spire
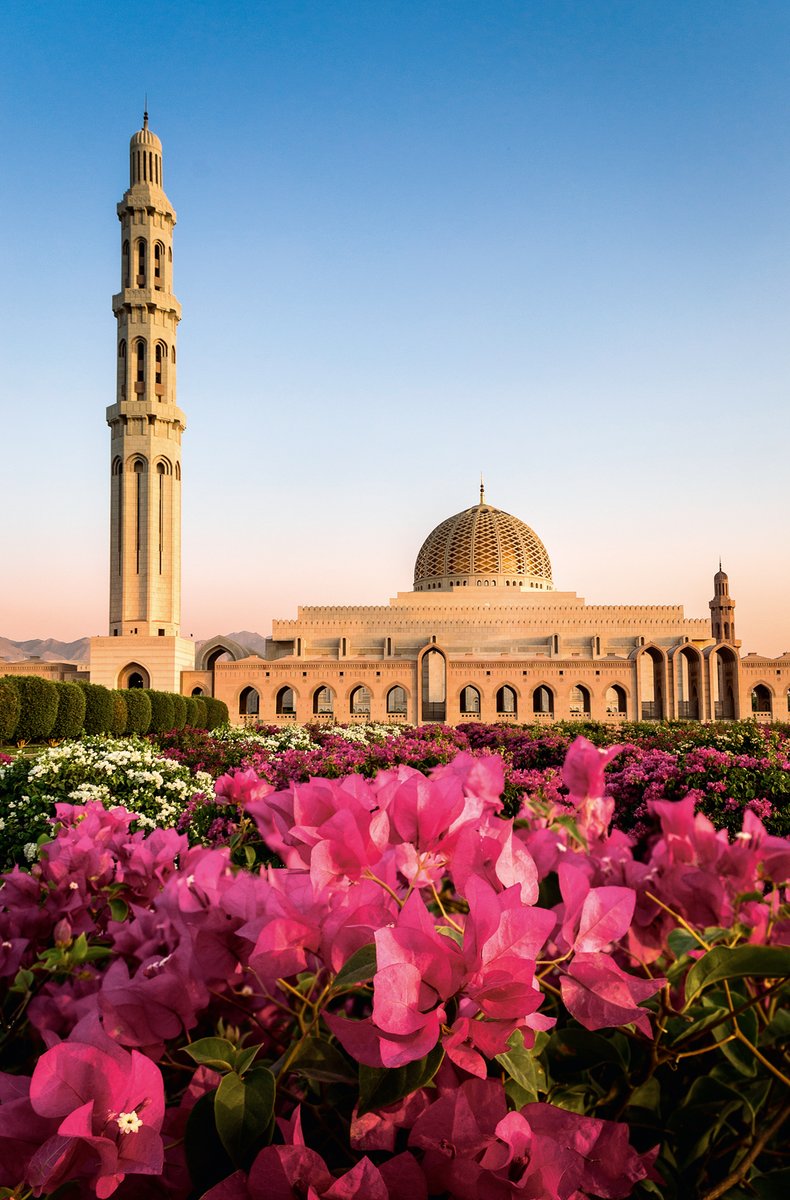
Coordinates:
[482,489]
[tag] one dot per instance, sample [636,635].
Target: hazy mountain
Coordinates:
[47,649]
[51,650]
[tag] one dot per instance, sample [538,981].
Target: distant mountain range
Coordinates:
[51,650]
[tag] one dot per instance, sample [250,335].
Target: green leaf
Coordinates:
[79,951]
[207,1161]
[244,1113]
[773,1186]
[119,910]
[737,962]
[244,1058]
[360,968]
[523,1067]
[680,942]
[214,1052]
[323,1062]
[380,1087]
[455,935]
[23,982]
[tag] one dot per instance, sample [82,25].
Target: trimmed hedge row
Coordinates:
[34,709]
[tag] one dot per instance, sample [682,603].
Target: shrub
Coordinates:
[179,711]
[138,710]
[201,712]
[216,712]
[99,708]
[120,714]
[162,715]
[71,712]
[192,712]
[39,707]
[10,708]
[129,772]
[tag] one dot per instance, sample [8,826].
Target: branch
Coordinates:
[742,1170]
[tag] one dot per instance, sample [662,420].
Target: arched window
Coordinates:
[125,273]
[249,702]
[140,373]
[434,686]
[159,254]
[323,702]
[507,701]
[397,701]
[761,699]
[688,682]
[543,701]
[580,701]
[470,702]
[615,701]
[360,701]
[160,356]
[122,368]
[652,682]
[285,704]
[197,691]
[134,676]
[141,263]
[724,683]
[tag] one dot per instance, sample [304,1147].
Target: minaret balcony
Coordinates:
[150,297]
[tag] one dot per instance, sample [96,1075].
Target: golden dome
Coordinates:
[482,546]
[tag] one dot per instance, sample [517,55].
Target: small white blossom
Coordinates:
[128,1122]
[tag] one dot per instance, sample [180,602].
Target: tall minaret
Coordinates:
[722,609]
[146,424]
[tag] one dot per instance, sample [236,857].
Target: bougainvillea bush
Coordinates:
[728,768]
[424,1000]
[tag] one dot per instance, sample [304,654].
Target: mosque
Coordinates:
[483,634]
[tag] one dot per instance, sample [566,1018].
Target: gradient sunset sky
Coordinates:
[416,241]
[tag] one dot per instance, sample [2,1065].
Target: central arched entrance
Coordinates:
[433,690]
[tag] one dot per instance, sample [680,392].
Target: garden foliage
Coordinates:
[99,708]
[138,711]
[71,712]
[423,1000]
[38,699]
[10,708]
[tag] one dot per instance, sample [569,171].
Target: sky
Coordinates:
[547,241]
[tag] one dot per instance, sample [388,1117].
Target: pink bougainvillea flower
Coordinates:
[600,995]
[583,776]
[417,971]
[109,1111]
[592,918]
[494,854]
[241,787]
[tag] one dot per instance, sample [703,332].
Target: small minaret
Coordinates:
[145,506]
[722,609]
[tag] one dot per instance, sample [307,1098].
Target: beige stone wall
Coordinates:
[162,660]
[65,672]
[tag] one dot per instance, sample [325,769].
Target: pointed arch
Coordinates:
[507,701]
[133,675]
[470,701]
[543,700]
[214,649]
[432,668]
[580,700]
[397,701]
[323,701]
[359,701]
[651,673]
[616,700]
[285,701]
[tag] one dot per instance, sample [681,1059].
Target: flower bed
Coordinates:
[425,1000]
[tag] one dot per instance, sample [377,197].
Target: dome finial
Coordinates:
[482,489]
[145,112]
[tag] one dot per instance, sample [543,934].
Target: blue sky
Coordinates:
[548,241]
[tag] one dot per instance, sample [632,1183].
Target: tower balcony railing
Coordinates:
[543,716]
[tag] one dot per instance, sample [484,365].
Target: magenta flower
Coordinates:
[109,1111]
[600,995]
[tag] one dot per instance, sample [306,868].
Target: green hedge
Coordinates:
[162,711]
[179,710]
[71,711]
[120,713]
[10,708]
[192,710]
[216,712]
[99,708]
[201,712]
[39,707]
[138,710]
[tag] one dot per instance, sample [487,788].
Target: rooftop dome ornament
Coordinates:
[482,547]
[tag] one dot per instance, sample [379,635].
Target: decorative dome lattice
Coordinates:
[482,543]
